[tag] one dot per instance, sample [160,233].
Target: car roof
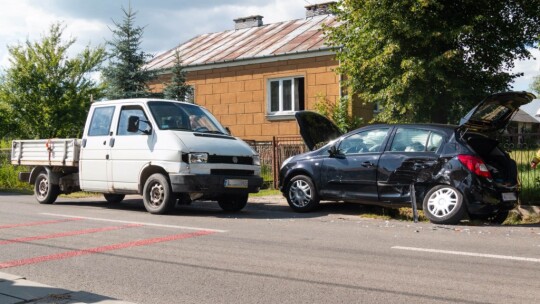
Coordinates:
[447,129]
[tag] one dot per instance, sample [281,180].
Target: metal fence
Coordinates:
[273,153]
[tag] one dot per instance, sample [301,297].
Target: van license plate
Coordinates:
[509,196]
[236,183]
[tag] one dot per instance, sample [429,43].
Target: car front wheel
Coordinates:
[301,194]
[443,204]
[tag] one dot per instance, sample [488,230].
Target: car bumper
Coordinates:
[214,184]
[490,201]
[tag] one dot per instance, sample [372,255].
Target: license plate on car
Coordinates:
[236,183]
[509,196]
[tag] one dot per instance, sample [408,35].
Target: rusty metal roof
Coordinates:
[282,38]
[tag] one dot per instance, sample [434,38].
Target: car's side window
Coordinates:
[101,121]
[363,142]
[410,140]
[434,142]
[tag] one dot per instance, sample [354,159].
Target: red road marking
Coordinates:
[41,223]
[74,253]
[68,233]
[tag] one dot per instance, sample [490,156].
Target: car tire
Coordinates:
[157,194]
[114,198]
[301,194]
[44,191]
[233,203]
[443,204]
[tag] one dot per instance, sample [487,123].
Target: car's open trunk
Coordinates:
[503,169]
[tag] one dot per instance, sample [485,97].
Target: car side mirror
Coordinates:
[334,152]
[133,125]
[228,130]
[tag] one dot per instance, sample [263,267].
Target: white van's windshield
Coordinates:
[186,117]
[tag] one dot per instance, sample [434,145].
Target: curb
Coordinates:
[17,290]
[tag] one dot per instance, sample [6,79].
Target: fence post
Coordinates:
[275,162]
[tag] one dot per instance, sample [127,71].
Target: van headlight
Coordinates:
[198,158]
[256,160]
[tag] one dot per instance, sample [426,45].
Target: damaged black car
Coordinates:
[456,171]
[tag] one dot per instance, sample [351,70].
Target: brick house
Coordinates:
[254,78]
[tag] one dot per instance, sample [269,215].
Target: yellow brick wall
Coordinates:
[237,95]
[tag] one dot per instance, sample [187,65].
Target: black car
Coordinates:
[455,171]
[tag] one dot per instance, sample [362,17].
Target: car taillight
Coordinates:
[475,164]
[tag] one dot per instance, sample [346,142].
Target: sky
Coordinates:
[167,23]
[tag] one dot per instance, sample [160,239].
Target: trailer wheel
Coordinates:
[44,191]
[113,198]
[157,194]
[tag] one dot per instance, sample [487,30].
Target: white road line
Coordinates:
[130,222]
[480,255]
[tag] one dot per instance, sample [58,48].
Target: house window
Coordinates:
[285,95]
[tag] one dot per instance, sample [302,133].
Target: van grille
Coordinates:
[222,159]
[231,172]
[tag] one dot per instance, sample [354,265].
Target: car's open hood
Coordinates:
[315,128]
[495,112]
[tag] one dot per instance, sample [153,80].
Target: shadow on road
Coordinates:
[260,208]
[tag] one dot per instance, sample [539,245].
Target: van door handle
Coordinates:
[111,142]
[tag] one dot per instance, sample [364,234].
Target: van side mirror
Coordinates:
[133,125]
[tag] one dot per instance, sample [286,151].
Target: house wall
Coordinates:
[237,95]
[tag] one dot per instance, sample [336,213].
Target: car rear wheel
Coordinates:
[301,194]
[44,191]
[157,194]
[443,204]
[114,198]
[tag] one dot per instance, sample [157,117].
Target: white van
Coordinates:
[165,150]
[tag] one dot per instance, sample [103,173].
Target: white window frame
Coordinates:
[280,111]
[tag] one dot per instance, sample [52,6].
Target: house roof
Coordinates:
[528,112]
[301,36]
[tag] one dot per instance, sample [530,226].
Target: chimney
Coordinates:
[246,22]
[319,9]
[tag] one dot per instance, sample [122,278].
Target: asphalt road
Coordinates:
[265,254]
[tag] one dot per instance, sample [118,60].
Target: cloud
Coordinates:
[166,23]
[530,69]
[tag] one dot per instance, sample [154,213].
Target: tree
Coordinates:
[431,60]
[177,88]
[46,93]
[338,113]
[126,76]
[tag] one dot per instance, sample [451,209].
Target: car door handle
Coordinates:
[368,164]
[111,142]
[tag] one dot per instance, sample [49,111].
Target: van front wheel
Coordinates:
[157,194]
[114,198]
[233,203]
